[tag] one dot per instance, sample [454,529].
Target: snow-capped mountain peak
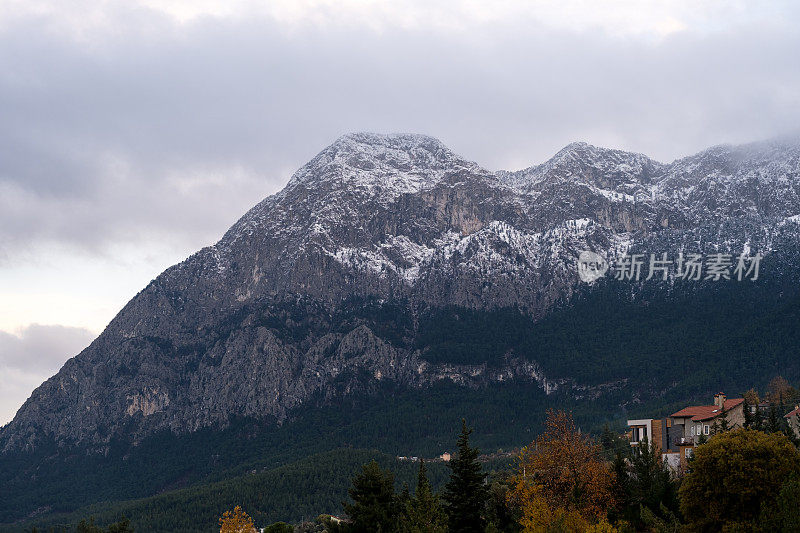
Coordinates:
[390,164]
[397,218]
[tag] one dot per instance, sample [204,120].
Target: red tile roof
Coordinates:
[796,412]
[706,412]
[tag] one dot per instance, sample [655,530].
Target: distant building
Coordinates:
[445,457]
[676,436]
[657,432]
[794,420]
[700,420]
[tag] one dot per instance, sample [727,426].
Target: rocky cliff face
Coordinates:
[253,325]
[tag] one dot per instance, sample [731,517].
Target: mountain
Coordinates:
[389,266]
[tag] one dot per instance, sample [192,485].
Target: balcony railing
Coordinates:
[684,441]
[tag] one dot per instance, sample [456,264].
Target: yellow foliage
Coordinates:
[539,517]
[236,521]
[602,527]
[562,483]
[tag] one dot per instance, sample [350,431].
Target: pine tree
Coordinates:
[612,443]
[650,482]
[404,498]
[374,508]
[758,418]
[423,513]
[788,510]
[773,422]
[748,415]
[123,526]
[465,494]
[88,527]
[724,425]
[621,486]
[782,421]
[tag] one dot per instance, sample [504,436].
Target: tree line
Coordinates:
[565,480]
[742,479]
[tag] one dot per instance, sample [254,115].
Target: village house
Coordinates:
[676,436]
[658,433]
[694,424]
[794,420]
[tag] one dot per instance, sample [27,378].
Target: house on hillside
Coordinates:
[698,422]
[676,436]
[794,420]
[701,420]
[658,433]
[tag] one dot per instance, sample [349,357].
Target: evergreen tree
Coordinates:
[668,524]
[773,420]
[650,484]
[374,508]
[782,421]
[279,527]
[502,512]
[758,418]
[748,415]
[423,513]
[88,527]
[620,489]
[612,443]
[123,526]
[724,425]
[465,494]
[788,509]
[404,498]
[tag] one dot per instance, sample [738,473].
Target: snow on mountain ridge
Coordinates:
[402,218]
[387,165]
[604,168]
[344,203]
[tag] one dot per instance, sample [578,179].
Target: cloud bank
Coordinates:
[136,122]
[134,133]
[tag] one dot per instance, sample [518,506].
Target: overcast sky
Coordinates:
[134,133]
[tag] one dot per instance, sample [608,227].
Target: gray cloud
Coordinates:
[31,357]
[42,349]
[141,129]
[154,130]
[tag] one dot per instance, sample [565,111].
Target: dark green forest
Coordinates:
[295,492]
[653,355]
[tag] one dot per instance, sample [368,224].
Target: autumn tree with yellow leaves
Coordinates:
[562,481]
[236,521]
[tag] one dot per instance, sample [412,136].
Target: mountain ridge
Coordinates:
[392,218]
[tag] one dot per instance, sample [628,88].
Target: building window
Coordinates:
[705,430]
[692,431]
